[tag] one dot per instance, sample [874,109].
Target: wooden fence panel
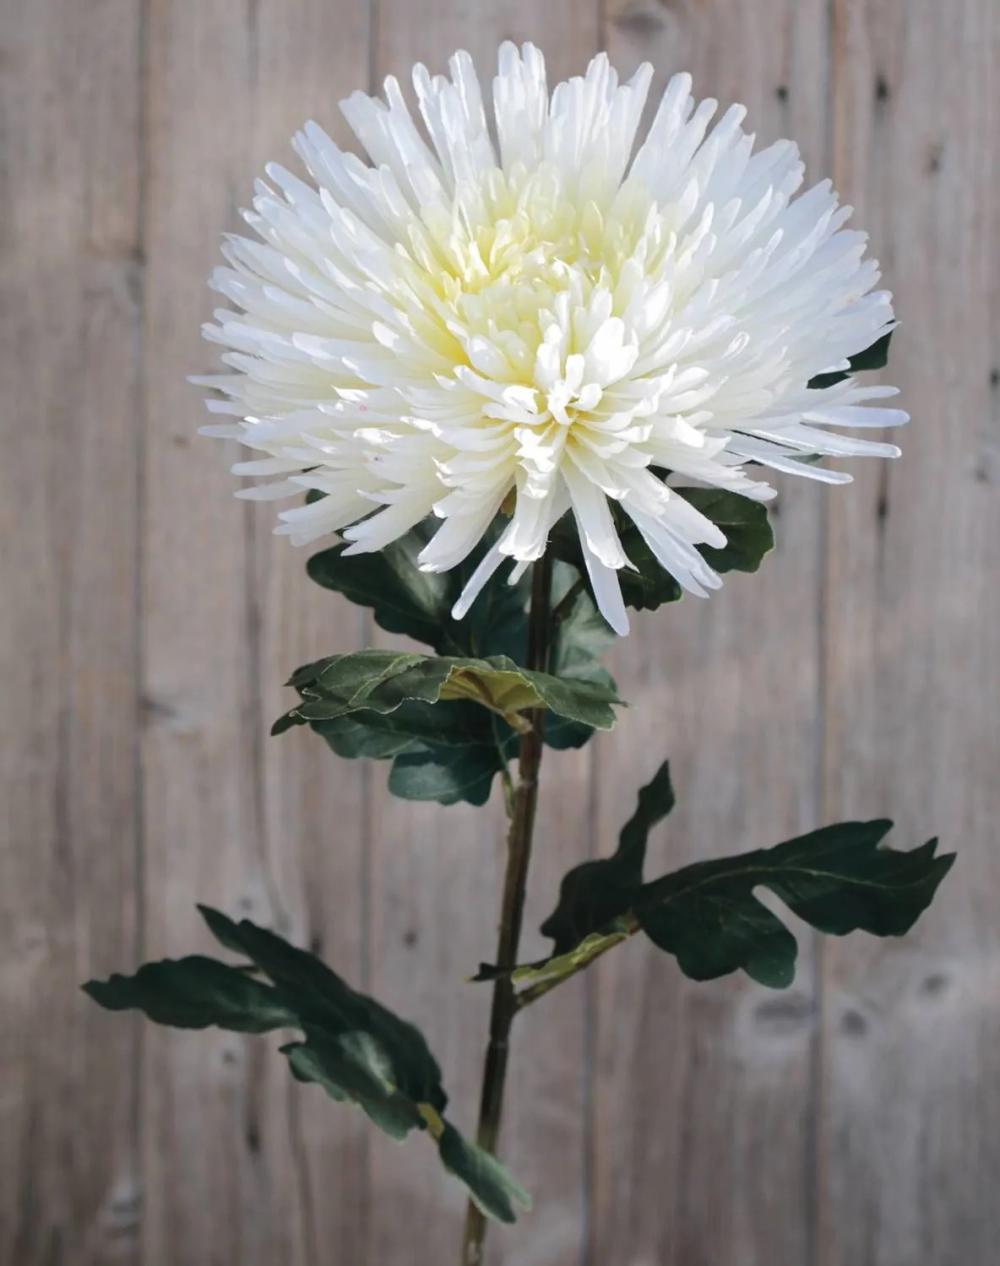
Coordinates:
[148,620]
[235,1167]
[70,365]
[703,1096]
[910,1141]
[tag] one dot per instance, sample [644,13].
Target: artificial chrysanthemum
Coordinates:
[531,315]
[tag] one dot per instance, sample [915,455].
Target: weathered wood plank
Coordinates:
[437,871]
[70,281]
[313,827]
[240,1165]
[702,1094]
[911,1122]
[701,1144]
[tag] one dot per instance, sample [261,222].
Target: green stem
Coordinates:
[522,822]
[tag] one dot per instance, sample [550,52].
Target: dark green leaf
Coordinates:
[594,893]
[403,599]
[874,357]
[447,751]
[194,993]
[581,638]
[582,635]
[748,530]
[352,1067]
[708,916]
[447,775]
[352,1046]
[454,758]
[324,1004]
[452,751]
[837,879]
[490,1185]
[649,586]
[382,681]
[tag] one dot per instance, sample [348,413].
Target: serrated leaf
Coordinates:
[353,1047]
[382,681]
[582,635]
[402,598]
[874,357]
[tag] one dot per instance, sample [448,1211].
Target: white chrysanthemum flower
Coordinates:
[529,317]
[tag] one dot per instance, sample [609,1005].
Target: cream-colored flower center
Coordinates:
[521,273]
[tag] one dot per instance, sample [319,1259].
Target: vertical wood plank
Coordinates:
[911,1113]
[436,871]
[702,1095]
[241,1165]
[313,821]
[69,381]
[700,1144]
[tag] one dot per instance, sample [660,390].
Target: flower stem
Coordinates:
[522,821]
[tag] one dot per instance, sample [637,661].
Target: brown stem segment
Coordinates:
[522,821]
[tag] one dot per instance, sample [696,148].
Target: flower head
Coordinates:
[541,316]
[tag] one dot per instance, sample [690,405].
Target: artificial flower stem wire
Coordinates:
[504,1005]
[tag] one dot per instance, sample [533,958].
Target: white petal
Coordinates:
[607,592]
[477,582]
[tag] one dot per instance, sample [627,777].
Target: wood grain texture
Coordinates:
[313,816]
[910,1144]
[148,619]
[69,377]
[239,1167]
[705,1095]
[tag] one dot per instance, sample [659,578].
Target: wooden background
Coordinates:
[147,620]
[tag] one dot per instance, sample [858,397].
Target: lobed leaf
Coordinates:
[195,993]
[452,754]
[447,749]
[594,893]
[839,879]
[382,681]
[353,1047]
[449,724]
